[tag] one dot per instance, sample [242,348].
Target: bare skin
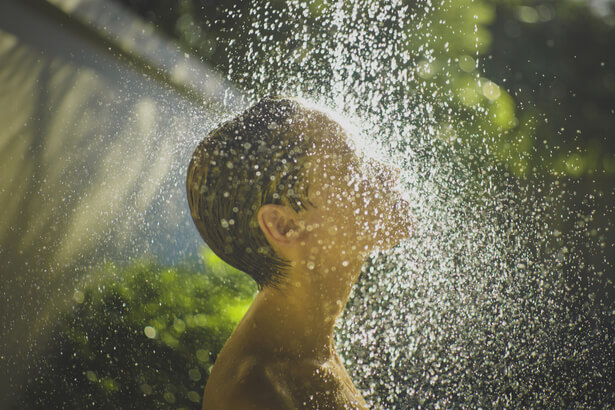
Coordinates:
[282,355]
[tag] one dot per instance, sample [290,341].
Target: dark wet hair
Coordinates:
[257,158]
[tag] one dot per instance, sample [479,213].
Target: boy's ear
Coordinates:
[279,224]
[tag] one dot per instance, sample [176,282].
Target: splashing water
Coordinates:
[479,307]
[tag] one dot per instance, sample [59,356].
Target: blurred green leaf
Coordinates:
[141,336]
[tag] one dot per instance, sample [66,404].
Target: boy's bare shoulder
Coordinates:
[254,383]
[248,383]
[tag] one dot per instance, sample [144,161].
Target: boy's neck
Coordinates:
[298,319]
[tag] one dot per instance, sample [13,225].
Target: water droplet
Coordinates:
[150,332]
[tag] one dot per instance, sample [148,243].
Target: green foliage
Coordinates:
[143,336]
[552,59]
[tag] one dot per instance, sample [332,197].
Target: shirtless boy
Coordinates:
[280,193]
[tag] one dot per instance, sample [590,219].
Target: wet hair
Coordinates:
[257,158]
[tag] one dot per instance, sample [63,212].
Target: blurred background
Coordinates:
[103,296]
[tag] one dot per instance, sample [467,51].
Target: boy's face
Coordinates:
[356,205]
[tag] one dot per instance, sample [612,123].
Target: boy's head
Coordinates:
[281,155]
[254,159]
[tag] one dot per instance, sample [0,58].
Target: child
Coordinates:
[279,193]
